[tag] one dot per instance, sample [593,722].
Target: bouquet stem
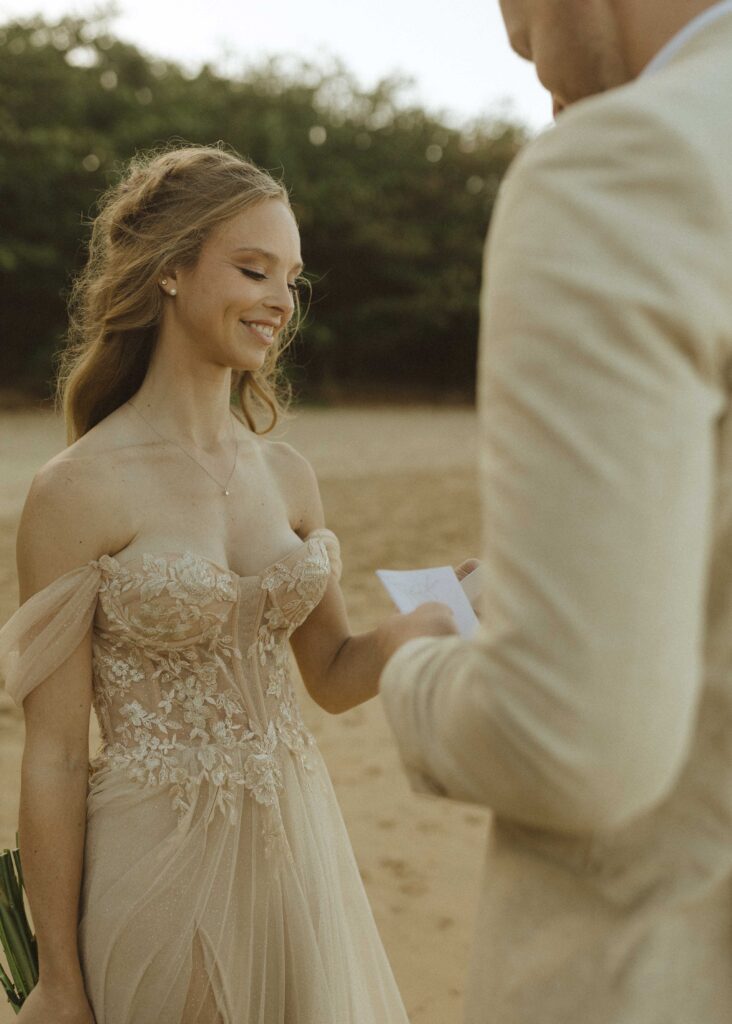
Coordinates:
[16,937]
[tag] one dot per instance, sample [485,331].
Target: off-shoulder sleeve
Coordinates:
[47,629]
[332,546]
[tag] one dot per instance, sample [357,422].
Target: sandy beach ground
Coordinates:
[399,489]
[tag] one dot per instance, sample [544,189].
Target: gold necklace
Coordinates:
[225,486]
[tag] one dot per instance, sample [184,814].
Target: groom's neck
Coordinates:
[647,26]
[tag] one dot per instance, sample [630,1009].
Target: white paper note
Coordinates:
[413,587]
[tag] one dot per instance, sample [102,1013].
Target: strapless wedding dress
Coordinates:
[219,883]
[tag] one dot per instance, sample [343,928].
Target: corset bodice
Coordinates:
[190,665]
[191,669]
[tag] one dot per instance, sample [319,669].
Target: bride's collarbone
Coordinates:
[154,508]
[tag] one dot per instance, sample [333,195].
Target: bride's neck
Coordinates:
[194,413]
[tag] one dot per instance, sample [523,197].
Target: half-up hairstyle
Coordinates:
[158,215]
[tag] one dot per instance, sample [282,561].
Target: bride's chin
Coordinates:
[250,364]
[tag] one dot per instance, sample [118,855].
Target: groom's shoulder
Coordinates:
[620,126]
[678,115]
[623,149]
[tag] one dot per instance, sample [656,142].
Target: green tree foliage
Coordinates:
[393,204]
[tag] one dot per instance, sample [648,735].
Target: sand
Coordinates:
[399,489]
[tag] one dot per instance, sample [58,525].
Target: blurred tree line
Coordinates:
[393,205]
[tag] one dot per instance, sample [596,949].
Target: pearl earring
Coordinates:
[164,281]
[173,291]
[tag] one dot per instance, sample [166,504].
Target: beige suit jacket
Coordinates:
[593,710]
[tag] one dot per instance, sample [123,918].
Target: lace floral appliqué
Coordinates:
[168,678]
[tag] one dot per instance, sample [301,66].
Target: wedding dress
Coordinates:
[219,883]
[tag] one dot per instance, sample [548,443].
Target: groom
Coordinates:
[593,710]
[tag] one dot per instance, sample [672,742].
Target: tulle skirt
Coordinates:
[196,920]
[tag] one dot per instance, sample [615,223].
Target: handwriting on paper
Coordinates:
[411,588]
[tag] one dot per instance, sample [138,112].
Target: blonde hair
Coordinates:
[158,215]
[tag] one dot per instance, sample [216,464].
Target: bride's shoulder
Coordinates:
[287,465]
[112,438]
[94,464]
[296,481]
[74,510]
[282,456]
[77,471]
[62,524]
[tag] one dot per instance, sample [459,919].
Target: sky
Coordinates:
[456,51]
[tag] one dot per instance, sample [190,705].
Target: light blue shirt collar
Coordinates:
[666,53]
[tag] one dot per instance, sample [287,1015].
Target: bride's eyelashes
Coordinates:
[261,277]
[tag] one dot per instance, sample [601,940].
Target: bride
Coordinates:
[198,870]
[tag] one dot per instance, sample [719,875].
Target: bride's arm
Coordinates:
[53,537]
[341,670]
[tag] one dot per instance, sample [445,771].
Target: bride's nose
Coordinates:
[283,300]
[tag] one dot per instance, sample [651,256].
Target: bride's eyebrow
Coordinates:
[267,255]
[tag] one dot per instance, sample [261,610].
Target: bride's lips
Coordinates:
[252,328]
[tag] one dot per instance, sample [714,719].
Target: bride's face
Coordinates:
[240,294]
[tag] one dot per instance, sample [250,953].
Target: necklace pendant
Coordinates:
[226,492]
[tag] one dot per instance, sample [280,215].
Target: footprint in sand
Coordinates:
[398,867]
[386,823]
[445,922]
[429,826]
[373,770]
[414,888]
[412,884]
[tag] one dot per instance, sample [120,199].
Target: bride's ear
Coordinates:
[168,283]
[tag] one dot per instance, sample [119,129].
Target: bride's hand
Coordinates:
[46,1003]
[430,619]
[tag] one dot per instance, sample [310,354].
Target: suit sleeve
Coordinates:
[600,384]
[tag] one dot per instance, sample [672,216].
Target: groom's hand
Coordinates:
[473,588]
[465,568]
[431,619]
